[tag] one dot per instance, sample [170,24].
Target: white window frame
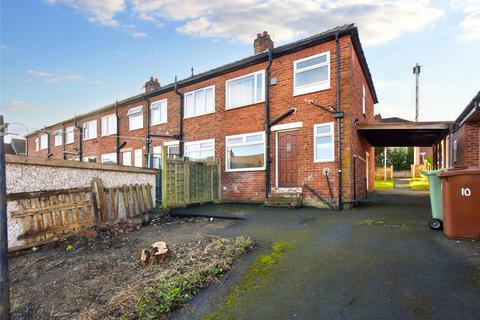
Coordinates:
[171,144]
[157,151]
[134,112]
[58,138]
[87,159]
[255,94]
[244,143]
[37,144]
[106,131]
[364,100]
[135,154]
[43,141]
[313,87]
[113,155]
[455,150]
[159,104]
[205,97]
[86,130]
[315,135]
[70,132]
[130,159]
[198,143]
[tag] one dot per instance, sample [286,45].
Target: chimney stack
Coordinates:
[262,42]
[152,84]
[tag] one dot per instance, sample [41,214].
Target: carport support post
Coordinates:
[4,285]
[385,166]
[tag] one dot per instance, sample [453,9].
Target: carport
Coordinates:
[411,134]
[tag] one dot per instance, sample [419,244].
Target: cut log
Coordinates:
[160,251]
[145,256]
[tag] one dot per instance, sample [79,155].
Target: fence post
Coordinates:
[391,172]
[219,172]
[164,156]
[186,180]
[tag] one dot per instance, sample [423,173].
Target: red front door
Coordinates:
[287,158]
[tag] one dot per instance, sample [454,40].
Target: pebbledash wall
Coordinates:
[25,174]
[249,186]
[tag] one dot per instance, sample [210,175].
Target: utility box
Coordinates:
[461,203]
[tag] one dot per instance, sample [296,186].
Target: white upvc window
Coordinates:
[37,144]
[43,141]
[364,100]
[173,148]
[58,138]
[323,142]
[90,130]
[158,112]
[69,135]
[127,158]
[109,125]
[89,159]
[455,151]
[245,90]
[311,74]
[245,152]
[199,102]
[109,158]
[200,150]
[138,158]
[157,157]
[135,118]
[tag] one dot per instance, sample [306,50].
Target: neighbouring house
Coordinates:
[16,147]
[466,141]
[280,121]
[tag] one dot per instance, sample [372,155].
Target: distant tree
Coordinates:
[399,157]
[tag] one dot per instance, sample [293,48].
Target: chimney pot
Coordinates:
[262,42]
[152,84]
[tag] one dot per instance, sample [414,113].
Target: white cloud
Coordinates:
[18,105]
[379,22]
[38,74]
[98,11]
[96,82]
[53,78]
[2,46]
[470,25]
[138,35]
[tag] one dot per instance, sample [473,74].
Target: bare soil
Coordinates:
[100,276]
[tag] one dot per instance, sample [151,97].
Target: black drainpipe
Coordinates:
[267,123]
[80,148]
[117,143]
[339,115]
[180,95]
[148,141]
[64,136]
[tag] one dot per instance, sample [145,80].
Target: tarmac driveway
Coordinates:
[377,261]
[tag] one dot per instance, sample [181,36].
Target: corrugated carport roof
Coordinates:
[404,134]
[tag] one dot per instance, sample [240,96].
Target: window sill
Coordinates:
[156,124]
[67,143]
[246,105]
[324,161]
[107,135]
[295,94]
[135,129]
[198,115]
[89,139]
[245,170]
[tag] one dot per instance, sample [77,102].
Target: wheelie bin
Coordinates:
[461,203]
[435,184]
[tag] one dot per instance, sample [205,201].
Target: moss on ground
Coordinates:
[253,278]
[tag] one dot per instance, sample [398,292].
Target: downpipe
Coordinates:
[339,115]
[267,124]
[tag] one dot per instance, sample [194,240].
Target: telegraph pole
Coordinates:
[4,287]
[416,72]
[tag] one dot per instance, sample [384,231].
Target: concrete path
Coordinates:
[377,261]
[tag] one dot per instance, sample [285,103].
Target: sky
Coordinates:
[65,57]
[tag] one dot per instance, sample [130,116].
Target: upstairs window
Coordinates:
[323,142]
[200,150]
[364,102]
[311,74]
[109,125]
[69,135]
[135,118]
[58,138]
[43,141]
[158,112]
[200,102]
[246,152]
[245,90]
[90,130]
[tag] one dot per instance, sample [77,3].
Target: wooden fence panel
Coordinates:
[186,182]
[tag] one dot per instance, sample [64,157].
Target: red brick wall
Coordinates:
[250,185]
[468,145]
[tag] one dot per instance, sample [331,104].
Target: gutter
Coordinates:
[80,148]
[117,143]
[339,115]
[267,123]
[180,136]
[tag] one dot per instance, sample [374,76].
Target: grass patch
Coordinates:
[419,183]
[172,292]
[381,184]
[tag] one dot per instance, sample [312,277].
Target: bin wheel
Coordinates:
[436,224]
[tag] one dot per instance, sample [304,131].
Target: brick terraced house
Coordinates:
[466,142]
[281,121]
